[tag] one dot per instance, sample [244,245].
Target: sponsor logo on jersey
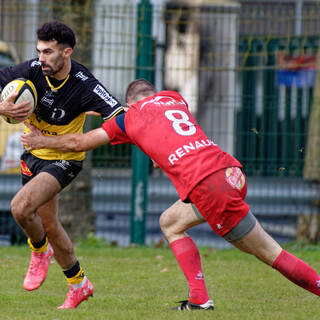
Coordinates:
[162,101]
[51,94]
[35,63]
[81,76]
[104,95]
[235,177]
[46,101]
[49,133]
[24,169]
[58,114]
[187,148]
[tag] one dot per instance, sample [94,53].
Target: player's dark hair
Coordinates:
[56,30]
[139,89]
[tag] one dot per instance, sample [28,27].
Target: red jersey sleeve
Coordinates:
[115,129]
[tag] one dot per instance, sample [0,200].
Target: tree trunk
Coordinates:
[76,214]
[309,228]
[312,159]
[309,224]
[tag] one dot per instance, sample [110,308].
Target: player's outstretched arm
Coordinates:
[17,111]
[66,142]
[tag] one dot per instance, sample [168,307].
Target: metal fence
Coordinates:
[247,69]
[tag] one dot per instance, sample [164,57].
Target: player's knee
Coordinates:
[163,227]
[169,225]
[21,210]
[166,225]
[164,221]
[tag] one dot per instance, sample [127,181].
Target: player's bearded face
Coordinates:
[51,68]
[51,57]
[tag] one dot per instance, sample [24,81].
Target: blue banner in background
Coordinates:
[299,78]
[297,70]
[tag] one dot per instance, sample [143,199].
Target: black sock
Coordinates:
[40,244]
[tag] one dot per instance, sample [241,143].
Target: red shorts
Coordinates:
[220,199]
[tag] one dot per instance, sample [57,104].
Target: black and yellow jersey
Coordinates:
[62,104]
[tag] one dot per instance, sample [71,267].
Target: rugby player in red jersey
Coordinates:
[209,181]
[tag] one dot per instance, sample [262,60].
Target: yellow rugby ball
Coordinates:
[26,92]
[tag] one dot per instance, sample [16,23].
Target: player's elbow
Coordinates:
[78,147]
[83,142]
[75,144]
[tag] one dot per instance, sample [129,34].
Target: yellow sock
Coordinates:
[44,248]
[78,278]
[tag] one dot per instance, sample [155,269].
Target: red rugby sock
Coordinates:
[298,272]
[188,257]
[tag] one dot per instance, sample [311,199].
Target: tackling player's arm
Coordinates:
[66,142]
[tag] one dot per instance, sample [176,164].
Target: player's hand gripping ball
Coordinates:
[26,92]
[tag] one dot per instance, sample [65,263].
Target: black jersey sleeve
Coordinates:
[97,98]
[10,73]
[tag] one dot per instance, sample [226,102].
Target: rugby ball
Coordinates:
[26,92]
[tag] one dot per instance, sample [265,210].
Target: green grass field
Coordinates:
[144,283]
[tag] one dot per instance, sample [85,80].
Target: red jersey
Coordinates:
[163,128]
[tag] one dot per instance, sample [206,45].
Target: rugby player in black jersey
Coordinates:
[66,91]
